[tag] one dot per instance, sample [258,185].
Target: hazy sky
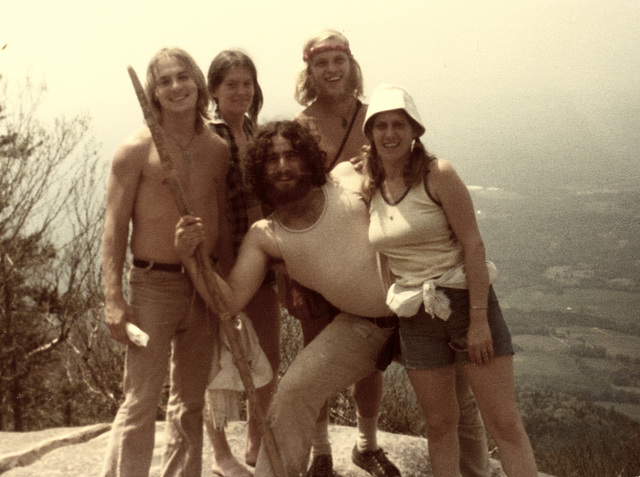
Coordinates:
[466,62]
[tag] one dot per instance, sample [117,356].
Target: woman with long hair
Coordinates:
[233,85]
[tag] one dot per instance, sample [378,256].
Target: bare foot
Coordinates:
[229,467]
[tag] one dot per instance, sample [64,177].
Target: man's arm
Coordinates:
[121,191]
[246,276]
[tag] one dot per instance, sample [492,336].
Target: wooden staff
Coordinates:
[214,300]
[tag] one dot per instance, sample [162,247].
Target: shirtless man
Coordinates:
[162,301]
[330,87]
[311,208]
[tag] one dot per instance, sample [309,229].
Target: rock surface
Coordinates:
[78,452]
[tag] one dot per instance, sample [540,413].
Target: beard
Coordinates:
[278,195]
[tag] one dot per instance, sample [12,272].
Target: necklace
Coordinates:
[344,123]
[346,134]
[338,117]
[185,153]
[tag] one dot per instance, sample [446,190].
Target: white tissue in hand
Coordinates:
[136,335]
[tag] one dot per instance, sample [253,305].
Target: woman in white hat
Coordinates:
[423,221]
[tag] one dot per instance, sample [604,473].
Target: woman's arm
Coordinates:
[453,194]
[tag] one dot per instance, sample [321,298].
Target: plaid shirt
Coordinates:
[239,194]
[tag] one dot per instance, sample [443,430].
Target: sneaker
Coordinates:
[374,462]
[322,466]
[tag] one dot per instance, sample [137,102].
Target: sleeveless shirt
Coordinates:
[333,256]
[415,236]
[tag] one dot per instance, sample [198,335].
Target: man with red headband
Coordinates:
[330,86]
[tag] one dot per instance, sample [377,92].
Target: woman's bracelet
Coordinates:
[474,307]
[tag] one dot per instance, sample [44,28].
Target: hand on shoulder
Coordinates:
[345,169]
[440,166]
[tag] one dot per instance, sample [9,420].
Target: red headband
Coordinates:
[322,48]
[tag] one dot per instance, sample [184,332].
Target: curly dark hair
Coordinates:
[302,142]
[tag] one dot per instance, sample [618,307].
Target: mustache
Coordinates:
[280,176]
[284,176]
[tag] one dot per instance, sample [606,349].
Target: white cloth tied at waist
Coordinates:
[225,383]
[405,301]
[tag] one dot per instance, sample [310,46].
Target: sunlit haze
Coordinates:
[490,77]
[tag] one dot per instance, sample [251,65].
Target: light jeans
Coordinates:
[342,354]
[181,333]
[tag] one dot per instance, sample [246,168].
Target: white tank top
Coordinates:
[334,256]
[415,236]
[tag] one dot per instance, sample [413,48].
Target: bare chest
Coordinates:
[195,170]
[340,139]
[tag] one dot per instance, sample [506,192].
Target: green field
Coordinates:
[581,341]
[618,305]
[631,410]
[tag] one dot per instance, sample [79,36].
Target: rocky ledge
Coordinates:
[78,452]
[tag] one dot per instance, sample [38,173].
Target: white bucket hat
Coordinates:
[388,97]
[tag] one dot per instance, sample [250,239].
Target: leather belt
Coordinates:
[385,321]
[161,267]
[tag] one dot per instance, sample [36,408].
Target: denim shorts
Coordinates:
[427,342]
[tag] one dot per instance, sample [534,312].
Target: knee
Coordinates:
[287,411]
[506,425]
[290,397]
[186,405]
[441,424]
[140,406]
[369,387]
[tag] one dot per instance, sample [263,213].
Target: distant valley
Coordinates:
[569,281]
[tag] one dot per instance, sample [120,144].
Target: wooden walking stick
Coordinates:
[214,300]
